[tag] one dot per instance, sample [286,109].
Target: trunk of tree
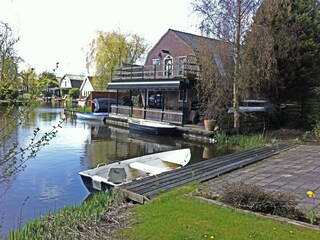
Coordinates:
[236,113]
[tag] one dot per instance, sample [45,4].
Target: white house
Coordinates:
[86,87]
[69,81]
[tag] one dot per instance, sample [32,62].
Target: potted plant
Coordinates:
[209,124]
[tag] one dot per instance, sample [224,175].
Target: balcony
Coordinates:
[177,69]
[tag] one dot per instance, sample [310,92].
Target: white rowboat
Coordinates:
[115,174]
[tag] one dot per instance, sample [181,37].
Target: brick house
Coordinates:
[165,83]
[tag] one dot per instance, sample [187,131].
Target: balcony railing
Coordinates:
[177,69]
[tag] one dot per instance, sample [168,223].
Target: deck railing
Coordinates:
[167,115]
[185,69]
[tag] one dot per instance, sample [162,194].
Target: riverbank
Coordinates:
[191,218]
[142,222]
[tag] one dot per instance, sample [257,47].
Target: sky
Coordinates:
[53,31]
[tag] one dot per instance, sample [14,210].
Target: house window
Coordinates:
[183,94]
[168,66]
[155,99]
[181,65]
[156,64]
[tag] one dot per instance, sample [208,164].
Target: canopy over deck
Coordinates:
[153,84]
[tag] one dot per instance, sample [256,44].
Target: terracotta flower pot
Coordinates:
[209,124]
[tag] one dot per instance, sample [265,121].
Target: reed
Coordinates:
[67,222]
[240,142]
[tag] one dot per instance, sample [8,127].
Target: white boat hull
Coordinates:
[115,174]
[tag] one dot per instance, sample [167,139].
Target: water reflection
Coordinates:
[208,152]
[108,144]
[50,181]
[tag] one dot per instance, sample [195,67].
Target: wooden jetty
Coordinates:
[142,191]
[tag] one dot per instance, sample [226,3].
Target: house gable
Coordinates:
[170,44]
[71,81]
[86,87]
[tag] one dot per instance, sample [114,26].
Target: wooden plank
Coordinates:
[183,173]
[136,197]
[202,171]
[179,173]
[205,175]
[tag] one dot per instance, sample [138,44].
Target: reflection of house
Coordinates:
[166,81]
[69,81]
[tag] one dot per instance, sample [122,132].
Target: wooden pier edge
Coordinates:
[135,197]
[142,197]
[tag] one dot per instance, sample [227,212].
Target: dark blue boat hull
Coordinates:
[151,130]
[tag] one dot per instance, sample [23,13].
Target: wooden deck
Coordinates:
[178,68]
[143,190]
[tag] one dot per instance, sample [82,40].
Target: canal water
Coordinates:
[50,181]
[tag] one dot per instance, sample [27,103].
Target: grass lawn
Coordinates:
[176,216]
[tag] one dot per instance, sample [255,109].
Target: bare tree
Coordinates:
[214,86]
[229,21]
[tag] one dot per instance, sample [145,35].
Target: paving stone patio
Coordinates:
[294,171]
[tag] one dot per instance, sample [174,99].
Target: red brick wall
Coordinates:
[171,42]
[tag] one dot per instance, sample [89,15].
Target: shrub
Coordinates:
[254,198]
[74,92]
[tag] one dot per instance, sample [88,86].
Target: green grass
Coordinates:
[175,216]
[82,109]
[239,142]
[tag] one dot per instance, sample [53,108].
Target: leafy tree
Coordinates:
[293,27]
[229,21]
[8,60]
[13,156]
[47,80]
[74,92]
[299,56]
[111,49]
[28,78]
[259,63]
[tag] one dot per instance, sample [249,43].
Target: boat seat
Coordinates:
[171,161]
[117,175]
[146,168]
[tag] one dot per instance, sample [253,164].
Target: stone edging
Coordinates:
[268,216]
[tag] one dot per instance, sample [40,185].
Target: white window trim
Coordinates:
[186,96]
[156,59]
[179,69]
